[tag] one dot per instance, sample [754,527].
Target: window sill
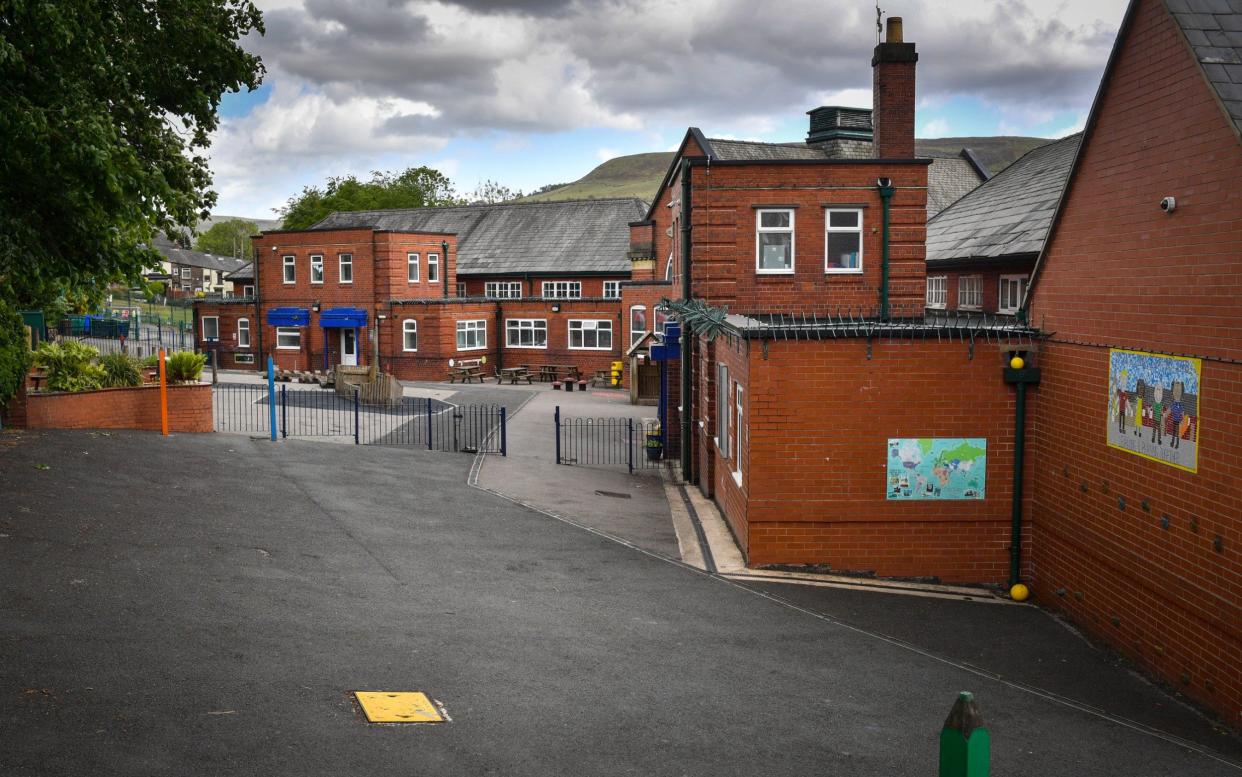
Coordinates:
[346,283]
[527,347]
[970,308]
[1007,311]
[473,348]
[774,272]
[737,478]
[288,347]
[843,271]
[409,350]
[584,348]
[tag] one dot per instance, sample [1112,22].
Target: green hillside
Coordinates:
[639,175]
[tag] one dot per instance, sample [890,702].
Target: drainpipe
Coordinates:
[685,329]
[1020,375]
[500,333]
[258,311]
[885,187]
[443,269]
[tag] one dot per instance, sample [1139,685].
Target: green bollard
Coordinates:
[965,745]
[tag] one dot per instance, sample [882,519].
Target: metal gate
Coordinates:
[315,413]
[636,444]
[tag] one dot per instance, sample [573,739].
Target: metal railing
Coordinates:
[140,341]
[409,421]
[609,442]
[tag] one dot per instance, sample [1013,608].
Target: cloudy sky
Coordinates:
[532,92]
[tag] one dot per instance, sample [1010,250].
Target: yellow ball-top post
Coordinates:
[1019,592]
[1017,362]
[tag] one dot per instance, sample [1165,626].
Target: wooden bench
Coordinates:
[466,371]
[513,375]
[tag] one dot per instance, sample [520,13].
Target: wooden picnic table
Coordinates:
[554,372]
[513,375]
[467,373]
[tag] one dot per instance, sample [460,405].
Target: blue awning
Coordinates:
[342,318]
[288,317]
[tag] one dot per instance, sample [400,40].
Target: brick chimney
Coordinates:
[892,94]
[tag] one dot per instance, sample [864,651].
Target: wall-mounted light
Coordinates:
[315,306]
[381,317]
[556,308]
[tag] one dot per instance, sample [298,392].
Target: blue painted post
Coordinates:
[504,443]
[355,416]
[271,397]
[284,415]
[558,434]
[429,446]
[629,449]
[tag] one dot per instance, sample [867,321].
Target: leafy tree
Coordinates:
[490,192]
[416,187]
[105,106]
[15,356]
[229,238]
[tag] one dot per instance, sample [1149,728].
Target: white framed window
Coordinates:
[411,268]
[843,240]
[612,289]
[970,292]
[433,268]
[526,333]
[739,431]
[243,333]
[185,287]
[347,267]
[590,334]
[722,409]
[668,267]
[316,263]
[562,289]
[1012,287]
[409,335]
[248,290]
[461,289]
[185,273]
[503,289]
[937,291]
[638,323]
[774,241]
[288,338]
[471,335]
[290,269]
[211,327]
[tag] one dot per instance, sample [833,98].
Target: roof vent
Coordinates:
[832,122]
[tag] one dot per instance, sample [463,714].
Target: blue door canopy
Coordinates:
[342,318]
[288,317]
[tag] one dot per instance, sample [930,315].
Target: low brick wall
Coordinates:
[189,409]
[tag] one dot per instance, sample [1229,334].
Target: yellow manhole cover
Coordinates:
[398,707]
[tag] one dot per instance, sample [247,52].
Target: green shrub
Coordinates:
[185,366]
[70,366]
[120,369]
[152,361]
[15,356]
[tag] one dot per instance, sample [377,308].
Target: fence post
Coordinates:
[163,396]
[271,396]
[558,434]
[355,416]
[629,449]
[429,424]
[284,414]
[965,745]
[504,443]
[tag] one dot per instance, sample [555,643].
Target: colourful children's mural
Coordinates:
[927,468]
[1153,403]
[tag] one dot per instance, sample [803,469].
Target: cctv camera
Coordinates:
[1168,204]
[884,183]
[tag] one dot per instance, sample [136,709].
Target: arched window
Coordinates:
[668,267]
[638,323]
[409,335]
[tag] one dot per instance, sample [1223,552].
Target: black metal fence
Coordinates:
[140,341]
[610,442]
[410,421]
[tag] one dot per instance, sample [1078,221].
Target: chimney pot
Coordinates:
[893,33]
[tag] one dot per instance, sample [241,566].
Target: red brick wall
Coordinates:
[820,416]
[892,100]
[724,248]
[1119,272]
[189,409]
[734,353]
[392,276]
[229,347]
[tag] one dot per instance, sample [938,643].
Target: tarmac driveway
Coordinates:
[203,605]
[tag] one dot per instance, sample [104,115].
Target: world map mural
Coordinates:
[937,468]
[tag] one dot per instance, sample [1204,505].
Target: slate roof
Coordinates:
[1214,30]
[188,258]
[538,237]
[246,273]
[948,178]
[1010,214]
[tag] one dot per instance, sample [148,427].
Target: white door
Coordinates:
[349,347]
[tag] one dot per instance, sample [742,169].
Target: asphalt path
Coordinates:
[203,605]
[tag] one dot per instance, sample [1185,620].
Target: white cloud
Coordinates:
[604,154]
[936,128]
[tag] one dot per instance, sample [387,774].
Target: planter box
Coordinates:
[189,409]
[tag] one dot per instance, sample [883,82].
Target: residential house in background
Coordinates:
[981,248]
[191,273]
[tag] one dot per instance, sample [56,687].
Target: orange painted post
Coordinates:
[163,396]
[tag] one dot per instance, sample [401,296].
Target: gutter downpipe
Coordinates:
[885,187]
[1019,444]
[685,330]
